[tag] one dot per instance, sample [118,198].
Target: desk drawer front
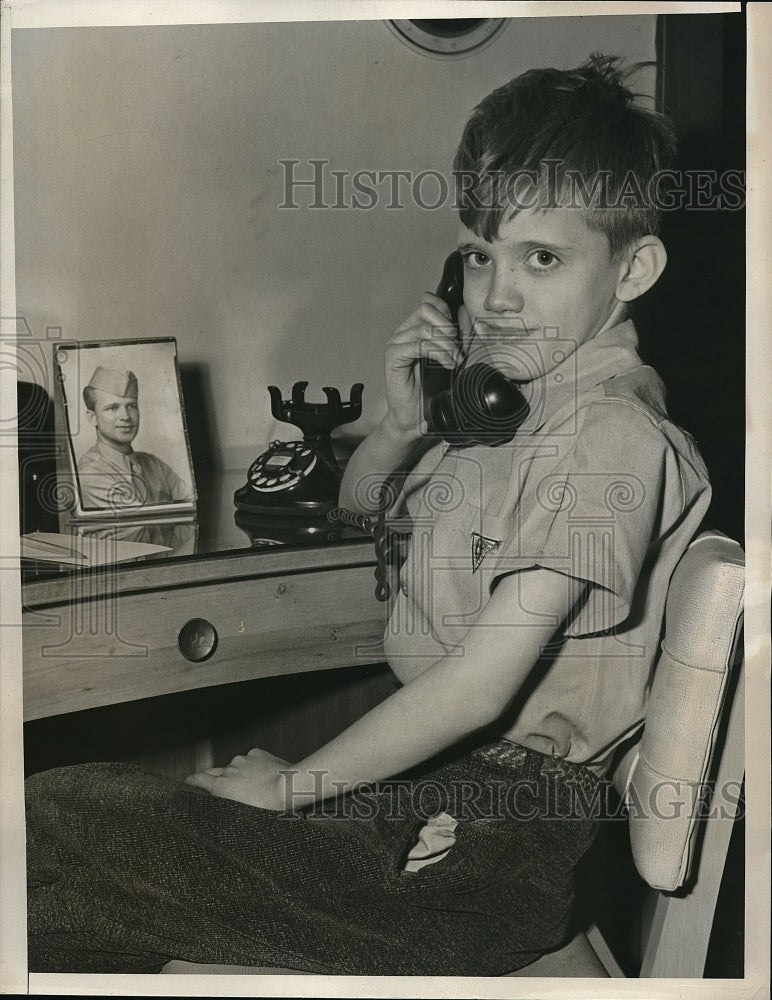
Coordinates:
[103,651]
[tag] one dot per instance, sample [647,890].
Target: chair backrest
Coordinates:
[682,781]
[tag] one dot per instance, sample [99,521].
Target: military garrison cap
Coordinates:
[116,383]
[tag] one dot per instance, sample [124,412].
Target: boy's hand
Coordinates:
[427,332]
[255,780]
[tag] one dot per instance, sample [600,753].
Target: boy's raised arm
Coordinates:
[399,440]
[387,450]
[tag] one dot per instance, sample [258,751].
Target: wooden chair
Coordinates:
[693,740]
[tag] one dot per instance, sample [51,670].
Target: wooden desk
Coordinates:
[112,634]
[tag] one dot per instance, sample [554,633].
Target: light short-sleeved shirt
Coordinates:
[598,484]
[109,478]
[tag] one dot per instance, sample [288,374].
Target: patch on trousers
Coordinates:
[481,546]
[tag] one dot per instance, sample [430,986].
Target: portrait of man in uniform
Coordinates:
[128,444]
[112,472]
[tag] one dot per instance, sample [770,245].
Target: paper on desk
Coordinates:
[85,550]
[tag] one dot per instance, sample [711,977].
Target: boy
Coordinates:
[524,630]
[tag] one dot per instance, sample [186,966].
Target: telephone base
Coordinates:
[272,530]
[244,501]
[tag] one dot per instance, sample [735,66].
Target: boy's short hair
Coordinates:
[552,138]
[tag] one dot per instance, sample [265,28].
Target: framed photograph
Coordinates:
[121,409]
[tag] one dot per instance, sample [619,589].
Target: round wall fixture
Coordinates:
[448,36]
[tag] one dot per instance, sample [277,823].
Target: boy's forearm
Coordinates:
[386,450]
[393,737]
[453,698]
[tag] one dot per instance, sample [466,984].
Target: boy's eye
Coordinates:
[543,259]
[476,258]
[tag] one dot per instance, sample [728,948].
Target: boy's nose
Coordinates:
[503,295]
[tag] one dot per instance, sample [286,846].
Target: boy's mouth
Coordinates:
[514,327]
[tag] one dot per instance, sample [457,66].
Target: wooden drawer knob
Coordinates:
[197,639]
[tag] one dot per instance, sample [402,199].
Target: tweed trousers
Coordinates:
[128,869]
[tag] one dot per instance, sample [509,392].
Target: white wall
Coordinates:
[147,187]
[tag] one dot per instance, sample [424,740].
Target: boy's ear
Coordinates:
[642,264]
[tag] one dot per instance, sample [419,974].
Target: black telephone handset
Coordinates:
[472,405]
[451,286]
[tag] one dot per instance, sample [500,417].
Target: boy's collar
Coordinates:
[611,351]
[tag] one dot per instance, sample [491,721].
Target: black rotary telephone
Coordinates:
[471,405]
[299,478]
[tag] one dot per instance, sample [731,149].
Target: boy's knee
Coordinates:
[96,783]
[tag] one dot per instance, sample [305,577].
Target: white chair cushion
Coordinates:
[702,619]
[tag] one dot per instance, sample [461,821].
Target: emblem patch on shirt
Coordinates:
[481,546]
